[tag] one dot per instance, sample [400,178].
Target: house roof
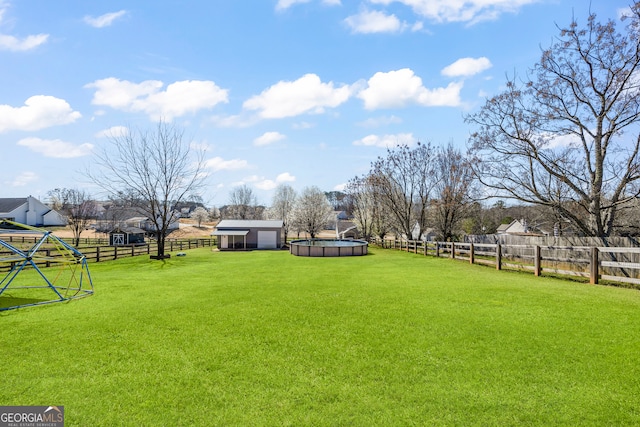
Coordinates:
[9,204]
[249,223]
[128,230]
[504,227]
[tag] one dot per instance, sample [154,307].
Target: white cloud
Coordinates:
[268,184]
[286,4]
[179,98]
[624,12]
[38,112]
[402,87]
[56,148]
[340,187]
[465,67]
[285,177]
[112,132]
[386,141]
[24,179]
[553,141]
[219,164]
[471,11]
[306,95]
[268,138]
[12,43]
[15,44]
[367,22]
[104,20]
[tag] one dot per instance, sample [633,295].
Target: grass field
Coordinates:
[265,338]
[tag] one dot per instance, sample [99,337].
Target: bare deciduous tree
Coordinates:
[157,168]
[78,206]
[452,190]
[243,204]
[404,180]
[558,139]
[313,211]
[283,204]
[369,213]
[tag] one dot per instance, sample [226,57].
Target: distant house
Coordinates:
[118,217]
[248,234]
[428,235]
[347,230]
[126,236]
[30,211]
[520,228]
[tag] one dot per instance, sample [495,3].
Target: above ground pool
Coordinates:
[328,247]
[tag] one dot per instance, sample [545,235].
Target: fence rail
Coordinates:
[615,264]
[96,252]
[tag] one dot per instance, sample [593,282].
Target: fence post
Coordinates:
[133,250]
[115,252]
[453,250]
[148,248]
[48,252]
[424,248]
[593,270]
[537,261]
[437,249]
[498,257]
[97,253]
[472,254]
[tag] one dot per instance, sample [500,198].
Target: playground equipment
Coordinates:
[40,268]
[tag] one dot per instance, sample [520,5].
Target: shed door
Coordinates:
[267,239]
[118,239]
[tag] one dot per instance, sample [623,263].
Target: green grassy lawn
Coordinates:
[266,338]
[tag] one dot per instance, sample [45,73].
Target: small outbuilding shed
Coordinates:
[241,234]
[126,236]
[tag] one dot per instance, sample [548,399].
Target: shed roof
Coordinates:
[249,223]
[230,233]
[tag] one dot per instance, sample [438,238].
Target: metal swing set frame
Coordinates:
[41,261]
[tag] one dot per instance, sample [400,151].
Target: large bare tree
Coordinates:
[282,206]
[370,214]
[158,168]
[312,211]
[567,136]
[452,190]
[243,204]
[403,181]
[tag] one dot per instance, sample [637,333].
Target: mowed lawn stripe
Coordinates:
[266,338]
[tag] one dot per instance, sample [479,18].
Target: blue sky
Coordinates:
[303,92]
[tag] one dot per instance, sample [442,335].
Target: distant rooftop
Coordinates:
[249,223]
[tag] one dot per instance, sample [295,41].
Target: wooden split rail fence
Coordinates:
[100,253]
[615,264]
